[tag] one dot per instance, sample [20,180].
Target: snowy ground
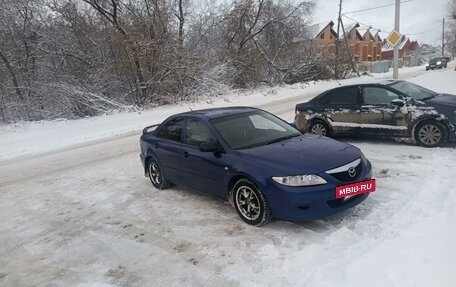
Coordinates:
[87,216]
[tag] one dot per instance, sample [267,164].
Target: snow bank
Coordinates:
[27,138]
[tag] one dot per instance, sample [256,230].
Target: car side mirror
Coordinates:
[398,102]
[209,147]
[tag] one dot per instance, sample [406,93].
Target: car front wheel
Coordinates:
[250,203]
[156,175]
[429,134]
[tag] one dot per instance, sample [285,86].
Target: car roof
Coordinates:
[218,112]
[382,83]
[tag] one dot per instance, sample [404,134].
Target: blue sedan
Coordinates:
[264,166]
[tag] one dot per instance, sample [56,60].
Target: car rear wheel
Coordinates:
[156,175]
[250,203]
[319,128]
[429,134]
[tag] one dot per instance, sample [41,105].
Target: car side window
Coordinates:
[378,96]
[197,133]
[343,96]
[172,130]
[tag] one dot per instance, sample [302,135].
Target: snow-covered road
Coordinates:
[87,216]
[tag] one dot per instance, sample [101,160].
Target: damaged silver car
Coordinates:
[391,109]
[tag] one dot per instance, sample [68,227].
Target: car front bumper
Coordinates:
[312,202]
[432,67]
[452,132]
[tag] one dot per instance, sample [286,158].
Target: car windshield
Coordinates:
[413,90]
[253,129]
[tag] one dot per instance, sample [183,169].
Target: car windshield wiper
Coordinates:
[282,138]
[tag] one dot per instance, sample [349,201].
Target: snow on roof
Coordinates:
[315,29]
[404,41]
[364,31]
[376,33]
[349,28]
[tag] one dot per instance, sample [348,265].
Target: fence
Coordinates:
[384,66]
[375,67]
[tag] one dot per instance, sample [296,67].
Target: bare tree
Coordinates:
[76,58]
[259,36]
[110,11]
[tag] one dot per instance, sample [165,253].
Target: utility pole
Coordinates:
[352,63]
[443,37]
[336,67]
[396,48]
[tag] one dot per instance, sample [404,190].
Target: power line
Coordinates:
[374,8]
[360,23]
[435,28]
[383,30]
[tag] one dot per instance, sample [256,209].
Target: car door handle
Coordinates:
[186,154]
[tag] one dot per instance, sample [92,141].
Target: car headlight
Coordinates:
[439,63]
[427,64]
[299,180]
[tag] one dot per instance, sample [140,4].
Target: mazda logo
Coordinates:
[352,172]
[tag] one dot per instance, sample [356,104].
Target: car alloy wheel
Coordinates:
[429,134]
[156,176]
[319,128]
[250,203]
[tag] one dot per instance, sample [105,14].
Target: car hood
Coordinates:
[306,154]
[445,105]
[444,99]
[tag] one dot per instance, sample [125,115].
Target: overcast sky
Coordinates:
[420,19]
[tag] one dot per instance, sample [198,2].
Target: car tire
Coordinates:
[250,203]
[156,175]
[430,134]
[427,68]
[319,127]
